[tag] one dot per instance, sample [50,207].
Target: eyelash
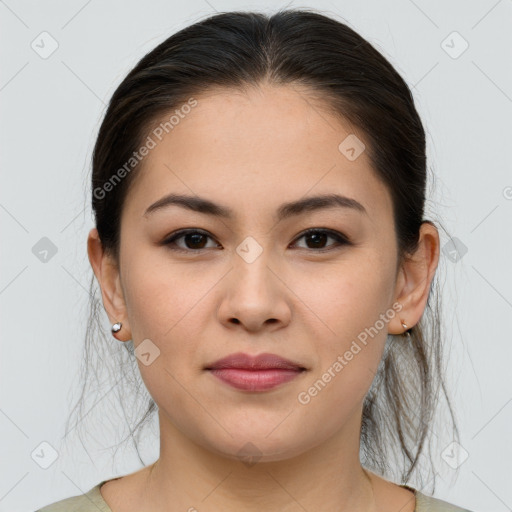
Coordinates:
[340,238]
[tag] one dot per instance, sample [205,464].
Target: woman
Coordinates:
[258,189]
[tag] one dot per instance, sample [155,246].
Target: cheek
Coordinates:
[158,293]
[169,305]
[349,297]
[349,302]
[162,308]
[349,341]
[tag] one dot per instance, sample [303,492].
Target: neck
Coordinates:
[326,477]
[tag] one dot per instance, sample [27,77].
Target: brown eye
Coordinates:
[193,239]
[317,238]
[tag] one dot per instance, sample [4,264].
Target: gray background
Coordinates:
[50,111]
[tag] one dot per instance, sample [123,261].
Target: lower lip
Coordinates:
[255,380]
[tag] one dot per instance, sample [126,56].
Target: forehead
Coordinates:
[256,149]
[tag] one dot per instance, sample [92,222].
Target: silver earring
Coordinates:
[116,327]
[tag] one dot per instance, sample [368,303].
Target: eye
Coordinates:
[318,237]
[193,238]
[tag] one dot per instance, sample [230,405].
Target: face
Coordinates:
[253,281]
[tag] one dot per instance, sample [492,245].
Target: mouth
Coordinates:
[255,373]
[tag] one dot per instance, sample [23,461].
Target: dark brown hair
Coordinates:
[236,50]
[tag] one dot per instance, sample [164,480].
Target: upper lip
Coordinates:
[258,362]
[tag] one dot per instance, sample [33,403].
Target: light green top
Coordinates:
[92,501]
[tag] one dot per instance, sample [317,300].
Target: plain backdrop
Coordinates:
[456,57]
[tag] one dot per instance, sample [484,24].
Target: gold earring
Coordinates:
[406,332]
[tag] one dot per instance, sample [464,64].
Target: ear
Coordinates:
[414,279]
[107,273]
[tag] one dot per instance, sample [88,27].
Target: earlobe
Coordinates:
[415,278]
[107,274]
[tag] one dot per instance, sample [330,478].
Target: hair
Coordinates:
[236,50]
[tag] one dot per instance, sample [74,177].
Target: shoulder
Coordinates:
[91,501]
[425,503]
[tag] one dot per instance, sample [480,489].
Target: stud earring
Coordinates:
[406,332]
[116,327]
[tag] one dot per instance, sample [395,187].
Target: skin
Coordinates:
[253,151]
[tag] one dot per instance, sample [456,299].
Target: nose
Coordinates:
[254,295]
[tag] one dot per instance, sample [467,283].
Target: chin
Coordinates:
[253,447]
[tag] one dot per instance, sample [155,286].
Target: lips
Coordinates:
[255,373]
[264,361]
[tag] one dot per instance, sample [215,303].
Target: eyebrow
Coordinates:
[286,210]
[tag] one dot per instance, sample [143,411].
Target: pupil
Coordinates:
[195,236]
[315,237]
